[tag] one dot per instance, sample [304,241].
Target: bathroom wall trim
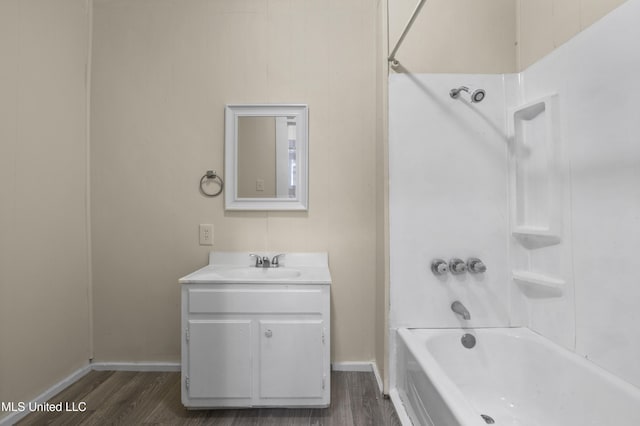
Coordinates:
[87,204]
[367,366]
[46,395]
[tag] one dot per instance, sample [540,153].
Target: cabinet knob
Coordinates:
[268,333]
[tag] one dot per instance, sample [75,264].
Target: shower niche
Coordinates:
[536,172]
[537,187]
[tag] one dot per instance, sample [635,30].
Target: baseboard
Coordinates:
[16,416]
[376,374]
[352,366]
[369,366]
[135,366]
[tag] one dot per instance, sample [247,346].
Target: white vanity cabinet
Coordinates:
[255,344]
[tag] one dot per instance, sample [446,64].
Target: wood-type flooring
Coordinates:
[153,398]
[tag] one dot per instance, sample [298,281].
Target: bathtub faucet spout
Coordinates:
[459,309]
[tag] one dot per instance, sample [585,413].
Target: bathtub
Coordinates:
[511,376]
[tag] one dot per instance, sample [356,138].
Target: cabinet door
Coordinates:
[219,359]
[291,359]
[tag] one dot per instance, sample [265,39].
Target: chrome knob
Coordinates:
[258,259]
[268,333]
[439,267]
[275,262]
[457,266]
[476,265]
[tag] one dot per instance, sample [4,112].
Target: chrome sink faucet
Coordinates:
[264,262]
[459,309]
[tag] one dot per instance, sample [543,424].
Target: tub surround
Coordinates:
[567,275]
[448,197]
[595,76]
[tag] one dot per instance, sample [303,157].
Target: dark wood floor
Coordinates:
[136,398]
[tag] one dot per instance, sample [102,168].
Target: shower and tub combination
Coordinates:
[522,171]
[463,352]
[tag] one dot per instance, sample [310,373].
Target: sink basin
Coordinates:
[258,273]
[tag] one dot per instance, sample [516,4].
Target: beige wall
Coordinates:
[489,36]
[44,277]
[455,36]
[162,72]
[544,25]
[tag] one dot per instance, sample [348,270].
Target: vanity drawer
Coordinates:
[255,301]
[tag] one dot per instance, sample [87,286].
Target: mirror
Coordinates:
[266,157]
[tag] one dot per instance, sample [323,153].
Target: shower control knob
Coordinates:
[457,266]
[268,333]
[476,265]
[439,267]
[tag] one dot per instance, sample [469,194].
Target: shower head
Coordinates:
[476,96]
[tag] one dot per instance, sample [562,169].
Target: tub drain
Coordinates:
[487,419]
[468,341]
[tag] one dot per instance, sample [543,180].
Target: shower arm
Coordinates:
[455,92]
[392,56]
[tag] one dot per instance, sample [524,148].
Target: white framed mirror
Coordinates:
[266,157]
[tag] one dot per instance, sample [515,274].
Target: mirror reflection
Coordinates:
[267,157]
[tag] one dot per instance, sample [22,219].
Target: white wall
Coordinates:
[596,77]
[448,198]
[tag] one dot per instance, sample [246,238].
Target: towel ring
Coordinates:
[211,175]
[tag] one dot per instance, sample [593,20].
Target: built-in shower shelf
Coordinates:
[535,285]
[542,236]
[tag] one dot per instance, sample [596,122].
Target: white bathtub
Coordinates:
[512,375]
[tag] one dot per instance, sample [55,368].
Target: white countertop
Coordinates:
[239,268]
